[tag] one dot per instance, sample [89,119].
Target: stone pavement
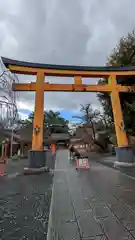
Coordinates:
[98,203]
[24,204]
[16,167]
[110,160]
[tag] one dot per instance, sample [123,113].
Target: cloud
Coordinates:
[63,32]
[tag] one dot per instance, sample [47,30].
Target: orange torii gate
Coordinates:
[36,155]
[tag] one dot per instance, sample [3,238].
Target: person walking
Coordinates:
[71,151]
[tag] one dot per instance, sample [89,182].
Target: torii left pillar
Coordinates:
[37,154]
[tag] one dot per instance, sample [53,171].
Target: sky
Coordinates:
[73,32]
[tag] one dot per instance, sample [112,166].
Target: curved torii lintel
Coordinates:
[66,70]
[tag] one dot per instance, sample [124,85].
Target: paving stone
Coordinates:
[129,224]
[133,233]
[101,237]
[65,232]
[80,203]
[24,207]
[62,205]
[96,201]
[102,212]
[88,225]
[114,230]
[121,211]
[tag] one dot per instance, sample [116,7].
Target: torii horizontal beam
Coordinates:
[72,87]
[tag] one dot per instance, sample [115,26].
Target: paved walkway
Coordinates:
[91,204]
[24,203]
[13,168]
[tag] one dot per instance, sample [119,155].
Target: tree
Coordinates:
[53,122]
[89,116]
[94,119]
[122,55]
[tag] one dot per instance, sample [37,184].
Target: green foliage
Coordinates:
[53,122]
[122,55]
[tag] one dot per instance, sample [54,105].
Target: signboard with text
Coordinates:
[82,163]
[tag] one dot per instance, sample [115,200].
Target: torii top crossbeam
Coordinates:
[22,67]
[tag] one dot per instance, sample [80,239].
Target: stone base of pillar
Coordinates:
[37,162]
[124,157]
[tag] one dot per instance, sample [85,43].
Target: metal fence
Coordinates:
[8,107]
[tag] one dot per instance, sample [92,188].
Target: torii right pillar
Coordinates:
[124,152]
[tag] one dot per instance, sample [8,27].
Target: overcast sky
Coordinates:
[79,32]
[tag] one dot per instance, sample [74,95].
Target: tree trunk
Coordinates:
[93,130]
